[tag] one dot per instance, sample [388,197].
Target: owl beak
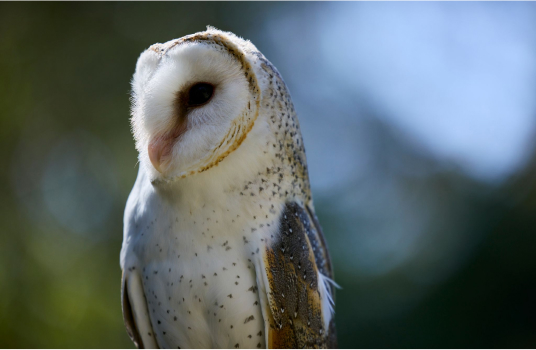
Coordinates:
[161,146]
[159,151]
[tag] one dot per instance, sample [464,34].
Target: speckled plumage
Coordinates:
[221,245]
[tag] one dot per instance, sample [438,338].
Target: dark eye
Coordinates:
[199,94]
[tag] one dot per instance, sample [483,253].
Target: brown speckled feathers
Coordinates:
[294,297]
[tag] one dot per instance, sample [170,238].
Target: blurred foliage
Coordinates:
[65,70]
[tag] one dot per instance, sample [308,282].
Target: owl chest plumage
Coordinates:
[198,275]
[196,250]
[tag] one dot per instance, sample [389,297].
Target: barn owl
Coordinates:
[221,245]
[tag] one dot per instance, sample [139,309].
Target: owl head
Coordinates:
[194,100]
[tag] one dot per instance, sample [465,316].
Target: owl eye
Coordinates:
[199,94]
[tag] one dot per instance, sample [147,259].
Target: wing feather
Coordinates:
[135,313]
[296,265]
[128,317]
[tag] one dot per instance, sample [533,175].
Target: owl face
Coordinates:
[192,104]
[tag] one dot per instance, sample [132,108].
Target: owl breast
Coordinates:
[198,270]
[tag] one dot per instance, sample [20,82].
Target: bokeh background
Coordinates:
[418,120]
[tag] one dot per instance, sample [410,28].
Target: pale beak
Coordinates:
[159,152]
[161,146]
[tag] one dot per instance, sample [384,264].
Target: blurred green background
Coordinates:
[418,120]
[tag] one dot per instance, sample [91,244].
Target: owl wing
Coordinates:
[134,303]
[294,284]
[135,313]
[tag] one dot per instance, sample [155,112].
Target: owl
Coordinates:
[221,245]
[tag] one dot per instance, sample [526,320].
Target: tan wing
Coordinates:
[135,313]
[296,294]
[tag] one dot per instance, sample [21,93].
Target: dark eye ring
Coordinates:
[200,94]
